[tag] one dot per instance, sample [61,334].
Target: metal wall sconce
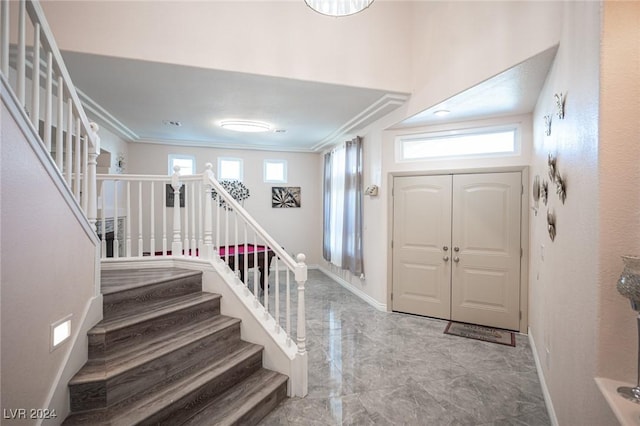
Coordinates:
[371,190]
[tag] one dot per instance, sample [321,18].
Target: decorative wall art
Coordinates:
[536,194]
[551,225]
[551,162]
[169,192]
[559,97]
[544,192]
[285,197]
[547,125]
[235,188]
[560,188]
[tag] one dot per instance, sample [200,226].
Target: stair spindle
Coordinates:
[60,124]
[48,103]
[21,67]
[4,37]
[35,78]
[152,221]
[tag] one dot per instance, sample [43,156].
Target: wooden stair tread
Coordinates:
[160,345]
[113,281]
[151,312]
[229,407]
[135,413]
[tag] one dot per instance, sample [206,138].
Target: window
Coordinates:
[229,168]
[187,164]
[275,171]
[466,143]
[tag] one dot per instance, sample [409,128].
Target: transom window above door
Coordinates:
[482,142]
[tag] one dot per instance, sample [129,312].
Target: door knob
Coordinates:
[445,248]
[446,258]
[456,259]
[456,249]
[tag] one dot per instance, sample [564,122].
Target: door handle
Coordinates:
[446,258]
[456,259]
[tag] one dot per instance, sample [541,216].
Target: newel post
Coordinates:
[176,244]
[301,385]
[208,226]
[92,194]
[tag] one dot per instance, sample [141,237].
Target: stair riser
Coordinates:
[267,405]
[156,373]
[103,345]
[183,408]
[135,299]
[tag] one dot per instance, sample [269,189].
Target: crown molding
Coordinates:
[373,112]
[106,118]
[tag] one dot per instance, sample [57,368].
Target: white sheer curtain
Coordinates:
[342,245]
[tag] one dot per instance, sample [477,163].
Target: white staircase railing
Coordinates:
[146,216]
[32,64]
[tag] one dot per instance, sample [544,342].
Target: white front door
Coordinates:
[456,247]
[421,232]
[485,283]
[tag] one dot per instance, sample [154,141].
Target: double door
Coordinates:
[456,247]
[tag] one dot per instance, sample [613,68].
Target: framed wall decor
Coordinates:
[169,191]
[283,197]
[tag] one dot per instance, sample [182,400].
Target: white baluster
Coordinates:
[116,239]
[85,173]
[226,230]
[4,38]
[235,241]
[103,228]
[201,200]
[127,221]
[217,210]
[255,267]
[301,279]
[208,237]
[48,102]
[265,281]
[21,68]
[245,266]
[68,167]
[140,242]
[164,220]
[35,78]
[288,309]
[277,289]
[176,245]
[93,148]
[60,125]
[77,168]
[185,246]
[194,191]
[152,221]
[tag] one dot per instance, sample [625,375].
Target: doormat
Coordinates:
[479,332]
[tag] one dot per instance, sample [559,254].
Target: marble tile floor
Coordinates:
[368,367]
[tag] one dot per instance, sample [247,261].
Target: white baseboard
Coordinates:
[361,294]
[543,383]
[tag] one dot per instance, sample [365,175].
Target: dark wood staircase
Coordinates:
[163,354]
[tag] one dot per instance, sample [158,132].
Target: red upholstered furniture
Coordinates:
[258,256]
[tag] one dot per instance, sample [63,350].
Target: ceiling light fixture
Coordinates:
[338,7]
[442,112]
[245,126]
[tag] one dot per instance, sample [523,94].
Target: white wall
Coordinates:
[457,44]
[39,234]
[298,230]
[581,327]
[277,38]
[619,155]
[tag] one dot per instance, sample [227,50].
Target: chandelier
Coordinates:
[338,7]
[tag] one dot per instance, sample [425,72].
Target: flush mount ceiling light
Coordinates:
[442,112]
[338,7]
[245,126]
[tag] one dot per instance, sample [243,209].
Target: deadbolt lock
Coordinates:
[445,248]
[456,249]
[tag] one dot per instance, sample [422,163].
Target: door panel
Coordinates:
[421,228]
[485,285]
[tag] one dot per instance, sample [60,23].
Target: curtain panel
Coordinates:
[342,207]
